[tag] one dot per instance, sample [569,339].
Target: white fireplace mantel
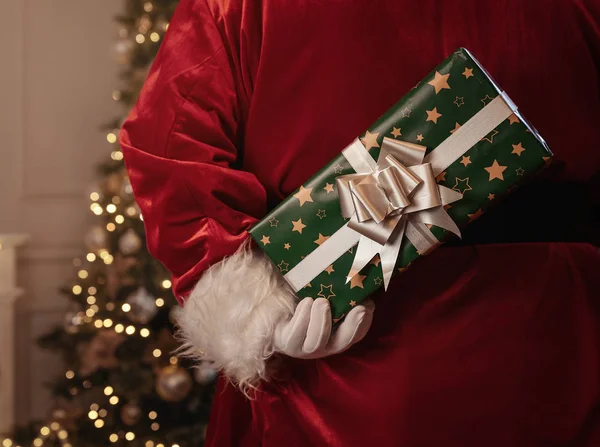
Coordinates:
[9,292]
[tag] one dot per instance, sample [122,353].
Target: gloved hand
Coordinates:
[307,335]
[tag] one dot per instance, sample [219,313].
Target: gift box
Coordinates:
[433,163]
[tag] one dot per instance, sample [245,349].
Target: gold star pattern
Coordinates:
[491,196]
[490,136]
[375,261]
[321,214]
[352,303]
[476,215]
[459,101]
[273,222]
[405,112]
[487,100]
[403,269]
[441,177]
[287,246]
[440,82]
[396,132]
[377,281]
[283,266]
[329,269]
[433,115]
[328,187]
[357,281]
[298,225]
[337,169]
[466,161]
[326,292]
[304,195]
[548,160]
[337,320]
[307,286]
[468,73]
[518,149]
[370,140]
[520,171]
[496,171]
[513,119]
[462,185]
[420,137]
[456,127]
[266,240]
[321,239]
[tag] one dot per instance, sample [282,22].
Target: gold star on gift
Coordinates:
[321,239]
[548,160]
[329,269]
[456,127]
[420,137]
[396,132]
[287,246]
[441,177]
[513,119]
[266,240]
[321,214]
[462,185]
[487,100]
[466,161]
[468,73]
[518,149]
[298,225]
[375,261]
[337,169]
[304,195]
[283,266]
[377,281]
[328,187]
[459,101]
[476,215]
[405,112]
[326,292]
[433,115]
[490,136]
[520,171]
[352,303]
[273,222]
[357,281]
[440,82]
[491,196]
[370,140]
[496,171]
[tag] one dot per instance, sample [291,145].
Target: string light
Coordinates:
[119,219]
[119,328]
[108,260]
[91,257]
[96,208]
[116,95]
[140,38]
[77,290]
[45,431]
[108,390]
[90,313]
[55,426]
[173,360]
[111,138]
[104,254]
[131,211]
[103,413]
[149,444]
[98,323]
[63,434]
[159,445]
[91,299]
[8,443]
[73,391]
[130,436]
[116,200]
[92,290]
[110,306]
[156,353]
[37,442]
[111,226]
[94,407]
[76,262]
[69,374]
[94,307]
[175,445]
[111,208]
[152,415]
[148,6]
[155,37]
[93,414]
[116,155]
[126,307]
[87,384]
[155,427]
[94,196]
[144,332]
[159,302]
[108,322]
[114,400]
[113,437]
[99,423]
[130,330]
[141,218]
[166,284]
[82,274]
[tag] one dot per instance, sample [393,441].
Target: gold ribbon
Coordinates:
[394,198]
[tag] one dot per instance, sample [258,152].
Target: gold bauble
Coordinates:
[173,383]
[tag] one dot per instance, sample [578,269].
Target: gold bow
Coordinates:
[396,197]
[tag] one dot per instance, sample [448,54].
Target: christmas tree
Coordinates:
[122,384]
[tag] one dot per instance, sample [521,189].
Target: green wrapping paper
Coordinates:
[457,93]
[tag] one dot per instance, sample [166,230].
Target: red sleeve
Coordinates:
[180,143]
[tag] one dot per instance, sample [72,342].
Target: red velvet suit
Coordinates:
[502,348]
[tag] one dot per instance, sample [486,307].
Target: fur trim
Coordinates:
[231,315]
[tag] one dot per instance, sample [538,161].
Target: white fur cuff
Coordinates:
[231,315]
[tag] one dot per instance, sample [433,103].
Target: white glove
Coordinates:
[307,335]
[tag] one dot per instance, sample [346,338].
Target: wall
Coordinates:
[57,75]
